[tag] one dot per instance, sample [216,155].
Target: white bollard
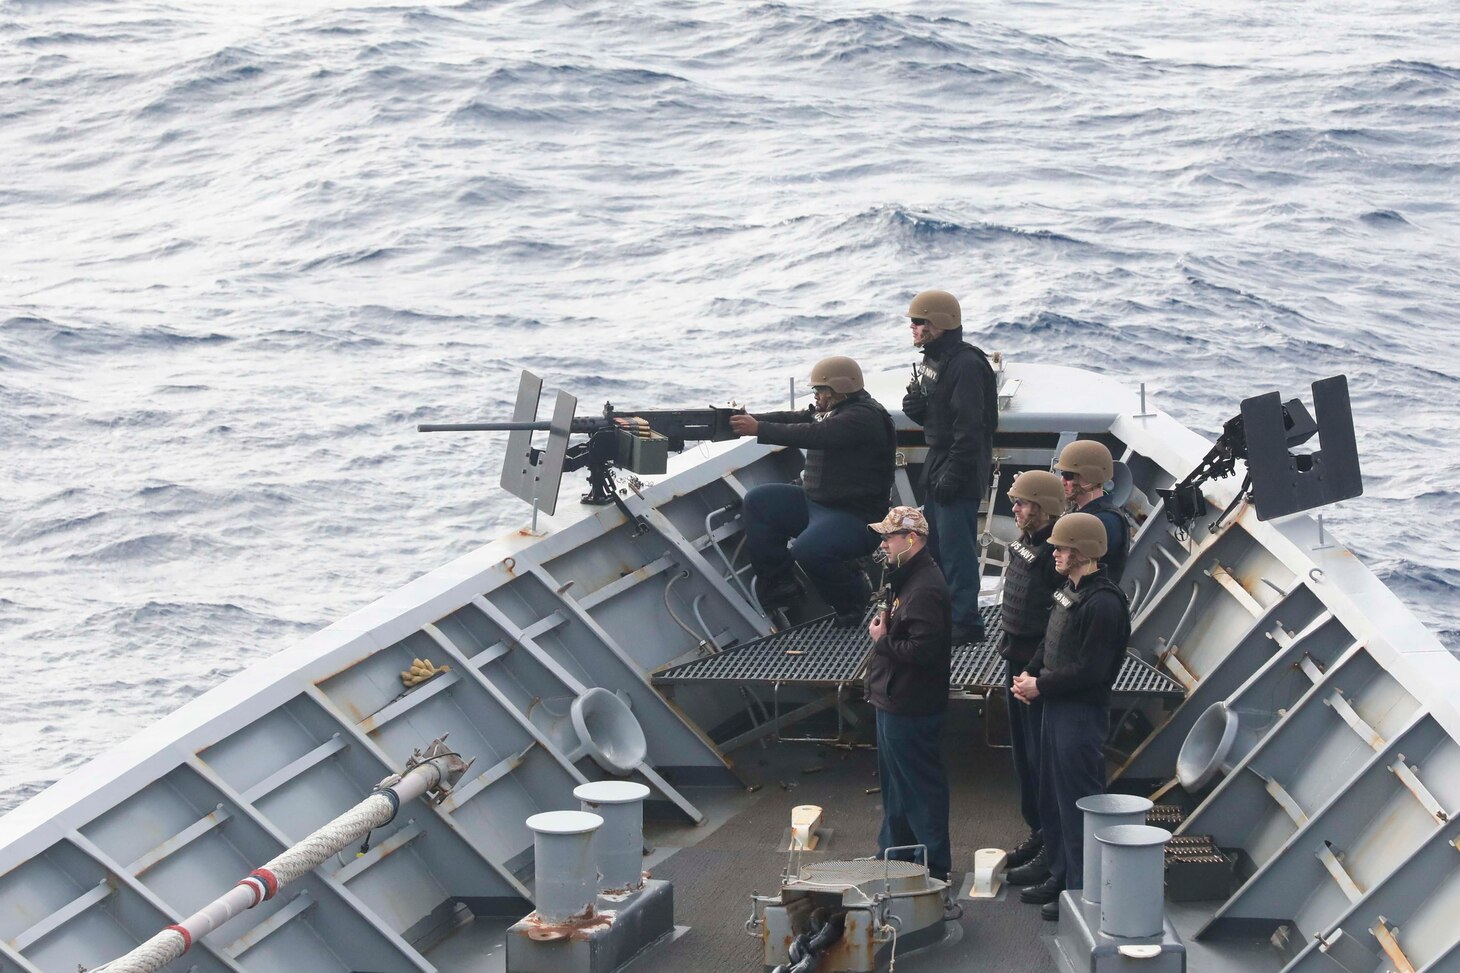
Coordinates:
[567,874]
[619,844]
[1105,811]
[1133,857]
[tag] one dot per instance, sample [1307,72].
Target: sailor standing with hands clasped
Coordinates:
[1030,582]
[1072,673]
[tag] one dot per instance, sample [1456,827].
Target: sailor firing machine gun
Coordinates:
[638,442]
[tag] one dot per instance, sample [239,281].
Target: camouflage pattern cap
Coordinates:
[900,519]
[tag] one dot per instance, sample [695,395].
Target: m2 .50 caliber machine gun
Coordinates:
[1278,481]
[638,442]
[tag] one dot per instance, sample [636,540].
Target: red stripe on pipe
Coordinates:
[270,882]
[187,937]
[254,886]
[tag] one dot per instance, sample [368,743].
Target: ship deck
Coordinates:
[716,867]
[715,876]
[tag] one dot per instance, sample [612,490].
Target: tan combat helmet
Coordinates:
[840,373]
[939,308]
[1084,532]
[1088,460]
[1039,487]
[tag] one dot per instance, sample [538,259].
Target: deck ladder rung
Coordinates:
[294,768]
[61,916]
[1310,669]
[1285,800]
[1351,716]
[1183,675]
[1390,944]
[180,840]
[269,926]
[1340,874]
[1234,588]
[1411,780]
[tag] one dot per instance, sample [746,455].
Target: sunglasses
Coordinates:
[1067,475]
[920,322]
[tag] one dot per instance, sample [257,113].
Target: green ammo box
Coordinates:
[647,454]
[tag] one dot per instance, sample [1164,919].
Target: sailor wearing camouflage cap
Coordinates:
[907,683]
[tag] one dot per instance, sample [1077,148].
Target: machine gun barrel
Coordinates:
[579,425]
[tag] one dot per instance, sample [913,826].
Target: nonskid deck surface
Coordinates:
[714,879]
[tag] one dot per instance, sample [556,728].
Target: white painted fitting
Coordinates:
[567,875]
[619,844]
[1132,860]
[1105,811]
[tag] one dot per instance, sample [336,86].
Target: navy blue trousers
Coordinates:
[953,539]
[1024,729]
[1071,766]
[914,788]
[826,542]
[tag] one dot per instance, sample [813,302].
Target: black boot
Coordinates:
[968,634]
[1032,872]
[780,591]
[852,611]
[1026,852]
[1041,894]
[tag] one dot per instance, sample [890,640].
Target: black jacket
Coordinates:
[850,452]
[907,673]
[1030,582]
[1117,534]
[957,404]
[1084,645]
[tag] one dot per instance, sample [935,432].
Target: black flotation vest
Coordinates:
[1061,639]
[1028,595]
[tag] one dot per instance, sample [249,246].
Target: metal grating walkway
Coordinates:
[978,668]
[978,665]
[815,654]
[812,653]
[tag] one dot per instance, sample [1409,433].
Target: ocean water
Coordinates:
[244,248]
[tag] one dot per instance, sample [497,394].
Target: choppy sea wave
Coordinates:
[247,247]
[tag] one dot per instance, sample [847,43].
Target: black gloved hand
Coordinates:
[913,400]
[948,489]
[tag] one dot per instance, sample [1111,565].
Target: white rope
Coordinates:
[293,863]
[154,954]
[355,823]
